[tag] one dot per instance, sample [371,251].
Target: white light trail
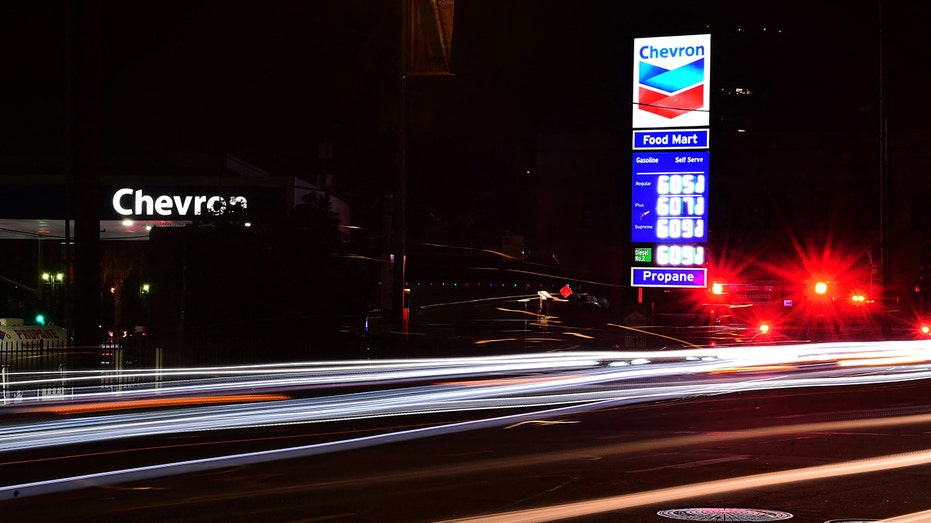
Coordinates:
[542,386]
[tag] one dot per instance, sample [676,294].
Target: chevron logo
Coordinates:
[661,90]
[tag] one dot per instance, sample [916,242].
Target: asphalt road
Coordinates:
[852,453]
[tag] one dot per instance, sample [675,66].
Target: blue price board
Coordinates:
[668,277]
[669,197]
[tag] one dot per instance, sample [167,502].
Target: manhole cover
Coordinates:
[724,514]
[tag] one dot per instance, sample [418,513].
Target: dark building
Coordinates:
[155,256]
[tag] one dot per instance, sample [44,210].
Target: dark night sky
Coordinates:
[268,81]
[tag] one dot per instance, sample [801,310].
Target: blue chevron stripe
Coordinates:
[670,81]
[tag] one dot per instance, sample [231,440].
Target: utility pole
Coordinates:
[83,145]
[885,262]
[399,302]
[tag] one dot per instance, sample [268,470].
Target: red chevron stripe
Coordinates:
[672,106]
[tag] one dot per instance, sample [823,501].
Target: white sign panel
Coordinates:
[672,81]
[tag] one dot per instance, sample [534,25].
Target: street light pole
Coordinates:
[53,281]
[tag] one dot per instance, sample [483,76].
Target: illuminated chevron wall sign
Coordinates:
[672,78]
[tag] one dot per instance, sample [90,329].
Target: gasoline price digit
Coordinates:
[676,228]
[677,205]
[680,184]
[680,255]
[687,229]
